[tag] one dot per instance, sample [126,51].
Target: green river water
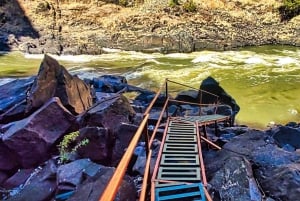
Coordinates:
[265,81]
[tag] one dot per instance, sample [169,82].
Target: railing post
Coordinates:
[146,136]
[167,109]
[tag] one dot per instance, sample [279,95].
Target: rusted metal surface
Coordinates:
[146,178]
[204,181]
[114,183]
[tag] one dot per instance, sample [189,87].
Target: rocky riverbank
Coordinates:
[88,27]
[61,137]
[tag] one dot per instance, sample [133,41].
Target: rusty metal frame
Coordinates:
[111,189]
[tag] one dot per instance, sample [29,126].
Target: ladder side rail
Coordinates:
[112,188]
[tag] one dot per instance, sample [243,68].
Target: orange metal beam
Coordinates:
[211,143]
[200,156]
[116,180]
[158,122]
[157,162]
[146,176]
[207,195]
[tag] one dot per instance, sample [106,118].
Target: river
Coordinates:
[265,81]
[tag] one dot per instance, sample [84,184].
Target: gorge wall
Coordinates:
[88,26]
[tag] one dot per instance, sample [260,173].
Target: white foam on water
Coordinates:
[204,58]
[178,55]
[69,58]
[281,61]
[255,60]
[109,50]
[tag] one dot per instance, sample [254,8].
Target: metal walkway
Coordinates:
[179,171]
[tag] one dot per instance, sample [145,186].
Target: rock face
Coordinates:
[56,26]
[13,93]
[93,187]
[108,113]
[99,147]
[71,175]
[123,137]
[235,180]
[286,135]
[41,186]
[53,80]
[32,138]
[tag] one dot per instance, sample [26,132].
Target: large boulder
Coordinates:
[284,135]
[18,178]
[123,137]
[41,185]
[235,180]
[108,113]
[212,86]
[109,83]
[281,182]
[93,187]
[188,96]
[13,93]
[71,175]
[99,146]
[53,80]
[8,159]
[32,138]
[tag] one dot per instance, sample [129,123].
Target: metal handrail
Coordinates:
[114,183]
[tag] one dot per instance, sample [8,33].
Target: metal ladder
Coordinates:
[179,173]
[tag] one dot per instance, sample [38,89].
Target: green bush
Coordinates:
[189,6]
[289,9]
[173,3]
[67,146]
[123,2]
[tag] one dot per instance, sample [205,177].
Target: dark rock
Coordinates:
[123,136]
[109,83]
[188,96]
[41,185]
[99,147]
[140,163]
[235,180]
[71,175]
[15,113]
[53,80]
[3,177]
[8,159]
[102,96]
[93,187]
[282,183]
[18,178]
[108,113]
[13,93]
[212,86]
[287,135]
[32,138]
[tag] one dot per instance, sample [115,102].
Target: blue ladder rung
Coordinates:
[169,189]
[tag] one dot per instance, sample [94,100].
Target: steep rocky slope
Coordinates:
[86,26]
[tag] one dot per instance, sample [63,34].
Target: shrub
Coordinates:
[173,3]
[189,6]
[289,9]
[123,2]
[67,146]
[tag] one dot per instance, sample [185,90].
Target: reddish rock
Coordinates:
[53,80]
[99,146]
[123,136]
[108,113]
[8,159]
[32,138]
